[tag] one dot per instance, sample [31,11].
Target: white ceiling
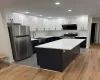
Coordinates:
[48,8]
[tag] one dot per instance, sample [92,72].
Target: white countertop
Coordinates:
[46,36]
[64,44]
[81,36]
[32,39]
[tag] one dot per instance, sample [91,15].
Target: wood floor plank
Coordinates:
[85,67]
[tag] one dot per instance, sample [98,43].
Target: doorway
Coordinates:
[93,33]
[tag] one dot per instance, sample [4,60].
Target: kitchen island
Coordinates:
[57,55]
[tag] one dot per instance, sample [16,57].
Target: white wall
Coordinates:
[89,31]
[5,47]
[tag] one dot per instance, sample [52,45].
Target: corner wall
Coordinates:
[89,31]
[5,46]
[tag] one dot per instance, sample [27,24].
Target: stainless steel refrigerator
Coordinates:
[20,41]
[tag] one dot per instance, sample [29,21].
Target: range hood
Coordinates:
[69,27]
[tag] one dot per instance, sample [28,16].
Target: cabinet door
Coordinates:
[59,23]
[46,24]
[82,23]
[34,23]
[14,17]
[24,19]
[74,21]
[86,24]
[65,21]
[52,24]
[40,24]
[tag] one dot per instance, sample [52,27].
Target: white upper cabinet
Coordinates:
[74,21]
[82,23]
[52,24]
[44,24]
[13,17]
[33,22]
[40,24]
[48,24]
[59,23]
[70,20]
[65,21]
[36,23]
[24,20]
[18,18]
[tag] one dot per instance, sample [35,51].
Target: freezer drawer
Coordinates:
[23,48]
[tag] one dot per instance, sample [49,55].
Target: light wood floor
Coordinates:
[3,65]
[84,67]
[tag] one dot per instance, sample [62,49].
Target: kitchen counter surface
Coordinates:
[32,39]
[81,36]
[64,44]
[46,36]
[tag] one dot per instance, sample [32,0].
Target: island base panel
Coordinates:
[69,55]
[54,59]
[49,59]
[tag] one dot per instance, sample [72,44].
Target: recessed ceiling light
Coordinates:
[57,3]
[69,10]
[50,17]
[40,15]
[27,12]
